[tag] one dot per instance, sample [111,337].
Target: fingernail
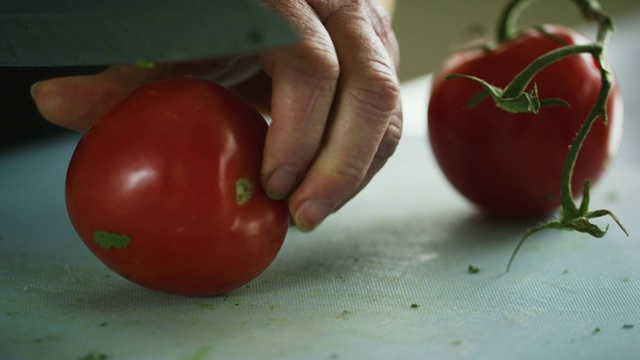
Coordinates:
[311,213]
[32,90]
[280,182]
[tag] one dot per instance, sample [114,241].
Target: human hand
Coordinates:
[333,98]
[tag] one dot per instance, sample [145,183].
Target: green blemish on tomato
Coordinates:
[108,240]
[244,190]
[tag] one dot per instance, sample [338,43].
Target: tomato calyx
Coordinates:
[524,102]
[515,99]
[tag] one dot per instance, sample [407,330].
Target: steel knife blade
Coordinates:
[102,32]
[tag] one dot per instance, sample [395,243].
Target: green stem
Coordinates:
[591,10]
[569,209]
[550,225]
[521,81]
[507,29]
[572,217]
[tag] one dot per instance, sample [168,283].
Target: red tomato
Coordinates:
[152,190]
[511,164]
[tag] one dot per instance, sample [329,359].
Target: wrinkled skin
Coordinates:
[333,97]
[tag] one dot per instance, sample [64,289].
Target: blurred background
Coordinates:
[429,29]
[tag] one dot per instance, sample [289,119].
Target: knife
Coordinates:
[96,32]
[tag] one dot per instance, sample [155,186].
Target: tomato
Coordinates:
[511,164]
[165,190]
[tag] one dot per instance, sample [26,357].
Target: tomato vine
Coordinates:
[513,98]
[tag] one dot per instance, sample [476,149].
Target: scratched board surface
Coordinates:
[387,277]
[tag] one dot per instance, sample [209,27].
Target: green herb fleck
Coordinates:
[626,279]
[627,326]
[202,353]
[344,314]
[146,64]
[244,190]
[456,342]
[566,271]
[597,330]
[94,356]
[415,306]
[473,270]
[108,240]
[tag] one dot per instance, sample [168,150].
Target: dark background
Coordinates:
[20,121]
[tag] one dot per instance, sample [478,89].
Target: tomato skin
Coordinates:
[161,167]
[511,164]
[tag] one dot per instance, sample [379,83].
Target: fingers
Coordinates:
[304,80]
[74,102]
[335,103]
[337,114]
[368,99]
[387,147]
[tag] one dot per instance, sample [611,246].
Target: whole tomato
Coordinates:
[511,164]
[165,190]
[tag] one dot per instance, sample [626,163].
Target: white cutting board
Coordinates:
[347,290]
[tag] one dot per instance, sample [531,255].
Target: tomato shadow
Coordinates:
[421,244]
[479,230]
[345,258]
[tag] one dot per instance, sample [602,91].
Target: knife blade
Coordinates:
[82,32]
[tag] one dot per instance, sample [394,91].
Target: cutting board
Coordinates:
[386,277]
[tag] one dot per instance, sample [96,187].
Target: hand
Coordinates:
[333,98]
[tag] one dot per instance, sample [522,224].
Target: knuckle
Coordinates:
[391,138]
[379,97]
[349,174]
[317,60]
